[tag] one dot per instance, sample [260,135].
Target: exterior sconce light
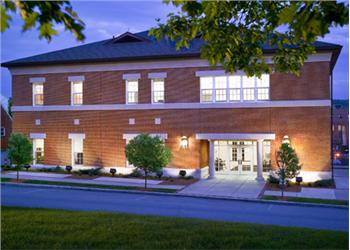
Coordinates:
[285,139]
[184,142]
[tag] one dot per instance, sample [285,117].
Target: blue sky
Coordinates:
[105,19]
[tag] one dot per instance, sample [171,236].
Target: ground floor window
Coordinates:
[77,151]
[38,151]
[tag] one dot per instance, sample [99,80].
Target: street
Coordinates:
[211,209]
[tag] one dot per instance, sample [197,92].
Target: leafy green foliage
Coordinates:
[235,31]
[290,161]
[20,151]
[148,154]
[43,15]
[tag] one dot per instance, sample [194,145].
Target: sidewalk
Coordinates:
[316,193]
[113,181]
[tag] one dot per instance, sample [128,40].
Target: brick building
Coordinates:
[81,105]
[6,129]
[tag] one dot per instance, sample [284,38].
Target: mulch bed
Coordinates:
[276,187]
[178,181]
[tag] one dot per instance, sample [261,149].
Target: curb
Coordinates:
[214,197]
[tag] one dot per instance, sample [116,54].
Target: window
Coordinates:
[157,91]
[3,132]
[77,93]
[38,94]
[132,88]
[38,151]
[206,89]
[77,151]
[263,85]
[234,88]
[234,154]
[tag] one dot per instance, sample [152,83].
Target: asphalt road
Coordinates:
[211,209]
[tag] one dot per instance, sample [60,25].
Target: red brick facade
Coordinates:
[6,122]
[308,127]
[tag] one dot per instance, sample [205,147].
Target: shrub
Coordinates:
[6,167]
[273,179]
[323,183]
[136,173]
[91,171]
[51,170]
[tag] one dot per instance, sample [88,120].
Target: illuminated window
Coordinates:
[248,86]
[220,88]
[234,88]
[263,85]
[77,93]
[206,89]
[132,91]
[158,91]
[77,151]
[38,94]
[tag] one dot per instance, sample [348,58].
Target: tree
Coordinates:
[148,154]
[288,159]
[44,14]
[20,150]
[9,106]
[235,31]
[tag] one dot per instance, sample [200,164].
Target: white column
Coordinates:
[211,160]
[259,161]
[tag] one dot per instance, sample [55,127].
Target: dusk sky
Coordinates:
[105,19]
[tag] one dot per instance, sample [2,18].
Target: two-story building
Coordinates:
[81,105]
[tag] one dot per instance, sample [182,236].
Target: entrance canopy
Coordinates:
[236,136]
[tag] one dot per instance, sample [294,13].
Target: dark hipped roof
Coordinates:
[129,47]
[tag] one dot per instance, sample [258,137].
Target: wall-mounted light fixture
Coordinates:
[184,142]
[286,139]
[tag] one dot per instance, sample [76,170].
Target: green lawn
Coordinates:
[308,200]
[61,183]
[26,228]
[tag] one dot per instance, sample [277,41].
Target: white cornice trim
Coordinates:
[236,136]
[37,136]
[260,104]
[131,76]
[76,78]
[37,79]
[76,136]
[138,65]
[157,75]
[163,136]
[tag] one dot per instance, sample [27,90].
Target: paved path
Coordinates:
[234,187]
[113,181]
[341,177]
[163,205]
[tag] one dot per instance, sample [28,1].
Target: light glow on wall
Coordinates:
[184,142]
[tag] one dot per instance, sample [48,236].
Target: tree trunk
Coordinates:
[145,179]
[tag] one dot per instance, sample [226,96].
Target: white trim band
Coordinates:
[131,76]
[161,75]
[37,136]
[76,136]
[149,106]
[163,136]
[76,78]
[138,65]
[236,136]
[37,79]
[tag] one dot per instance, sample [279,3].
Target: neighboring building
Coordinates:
[340,123]
[6,129]
[81,105]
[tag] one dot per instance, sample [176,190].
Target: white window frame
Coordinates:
[241,90]
[34,140]
[72,92]
[34,84]
[152,89]
[127,91]
[3,131]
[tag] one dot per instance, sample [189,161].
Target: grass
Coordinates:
[308,200]
[61,183]
[28,228]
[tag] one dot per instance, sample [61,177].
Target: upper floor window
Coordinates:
[77,93]
[234,88]
[3,131]
[132,91]
[158,91]
[38,94]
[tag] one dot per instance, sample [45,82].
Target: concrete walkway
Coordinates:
[341,178]
[233,187]
[113,181]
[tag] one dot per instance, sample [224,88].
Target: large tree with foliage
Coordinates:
[20,151]
[234,32]
[43,15]
[148,154]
